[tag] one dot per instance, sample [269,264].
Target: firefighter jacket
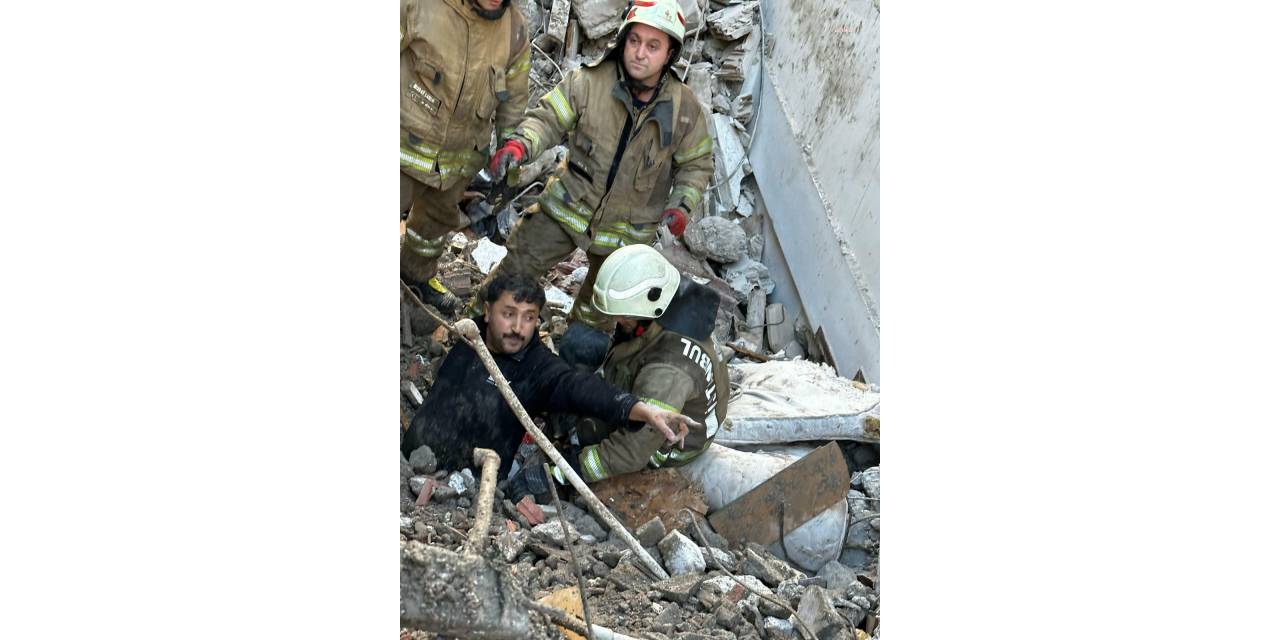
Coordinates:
[458,73]
[626,164]
[464,409]
[673,365]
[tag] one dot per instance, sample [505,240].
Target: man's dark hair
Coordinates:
[524,288]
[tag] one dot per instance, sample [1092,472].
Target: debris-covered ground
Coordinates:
[716,589]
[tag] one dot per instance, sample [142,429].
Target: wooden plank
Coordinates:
[789,499]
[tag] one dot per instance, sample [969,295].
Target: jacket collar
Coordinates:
[660,110]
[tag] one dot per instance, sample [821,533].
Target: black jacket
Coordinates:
[464,409]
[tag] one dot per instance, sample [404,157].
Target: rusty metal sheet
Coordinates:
[790,498]
[637,498]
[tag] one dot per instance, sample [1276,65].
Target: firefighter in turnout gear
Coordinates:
[464,64]
[664,356]
[639,157]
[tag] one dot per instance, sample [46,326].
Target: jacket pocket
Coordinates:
[487,101]
[650,166]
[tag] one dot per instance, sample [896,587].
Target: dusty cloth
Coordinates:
[464,409]
[460,74]
[658,156]
[672,366]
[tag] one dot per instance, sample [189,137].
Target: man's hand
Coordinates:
[531,511]
[673,426]
[508,155]
[675,220]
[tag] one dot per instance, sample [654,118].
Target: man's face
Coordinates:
[489,5]
[645,53]
[511,324]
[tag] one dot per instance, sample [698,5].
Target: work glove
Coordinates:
[675,220]
[510,154]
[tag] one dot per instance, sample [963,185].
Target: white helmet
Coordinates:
[635,281]
[663,15]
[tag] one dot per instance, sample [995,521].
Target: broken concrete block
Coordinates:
[416,483]
[649,533]
[680,588]
[717,239]
[871,481]
[456,595]
[731,165]
[855,558]
[699,80]
[462,482]
[487,255]
[558,20]
[681,555]
[532,12]
[552,533]
[410,391]
[599,18]
[764,565]
[839,577]
[733,22]
[511,543]
[799,400]
[746,275]
[693,19]
[711,554]
[776,628]
[406,525]
[819,614]
[667,619]
[724,587]
[423,460]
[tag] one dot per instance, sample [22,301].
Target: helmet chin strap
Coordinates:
[486,14]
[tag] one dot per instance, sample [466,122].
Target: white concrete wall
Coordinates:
[816,158]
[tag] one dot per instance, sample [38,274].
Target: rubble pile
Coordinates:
[714,589]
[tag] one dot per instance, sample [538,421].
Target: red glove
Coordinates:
[675,220]
[507,156]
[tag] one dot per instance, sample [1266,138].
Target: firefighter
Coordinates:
[639,157]
[663,355]
[463,65]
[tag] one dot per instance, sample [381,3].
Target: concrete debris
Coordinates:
[819,614]
[511,544]
[725,587]
[532,12]
[559,300]
[733,22]
[463,482]
[423,460]
[717,239]
[745,275]
[558,20]
[692,10]
[416,484]
[731,160]
[681,555]
[798,400]
[764,565]
[411,392]
[839,577]
[778,629]
[552,533]
[487,255]
[711,554]
[651,532]
[869,479]
[457,595]
[680,588]
[739,61]
[599,18]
